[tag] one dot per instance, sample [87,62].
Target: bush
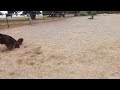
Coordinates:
[83,13]
[108,12]
[92,12]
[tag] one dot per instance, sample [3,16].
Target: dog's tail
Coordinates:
[19,41]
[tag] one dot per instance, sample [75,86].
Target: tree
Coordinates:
[32,13]
[1,13]
[54,13]
[10,13]
[108,12]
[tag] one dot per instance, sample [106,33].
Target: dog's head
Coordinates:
[18,43]
[20,40]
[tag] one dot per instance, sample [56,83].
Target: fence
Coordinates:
[20,20]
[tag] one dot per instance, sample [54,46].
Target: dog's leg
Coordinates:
[9,47]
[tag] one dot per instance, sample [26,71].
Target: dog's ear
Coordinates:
[19,41]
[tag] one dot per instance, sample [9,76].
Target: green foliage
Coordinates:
[92,12]
[85,13]
[108,12]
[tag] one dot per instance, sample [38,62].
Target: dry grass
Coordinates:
[70,48]
[16,22]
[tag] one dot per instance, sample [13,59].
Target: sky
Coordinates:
[4,12]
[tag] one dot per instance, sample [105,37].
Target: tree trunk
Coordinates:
[33,15]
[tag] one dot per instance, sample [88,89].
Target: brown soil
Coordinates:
[69,48]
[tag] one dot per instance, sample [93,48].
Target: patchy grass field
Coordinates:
[69,48]
[18,21]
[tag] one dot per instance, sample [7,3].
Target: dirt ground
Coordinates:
[71,48]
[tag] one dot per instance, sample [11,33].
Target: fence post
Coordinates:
[68,15]
[53,16]
[7,22]
[43,18]
[60,16]
[29,18]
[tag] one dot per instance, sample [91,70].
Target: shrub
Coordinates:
[92,12]
[83,13]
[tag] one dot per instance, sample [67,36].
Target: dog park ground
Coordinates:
[71,48]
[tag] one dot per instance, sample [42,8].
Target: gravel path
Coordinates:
[69,48]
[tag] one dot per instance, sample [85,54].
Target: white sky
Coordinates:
[4,12]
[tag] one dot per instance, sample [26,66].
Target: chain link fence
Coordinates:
[7,21]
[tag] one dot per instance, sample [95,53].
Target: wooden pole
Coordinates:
[7,22]
[29,18]
[43,18]
[53,15]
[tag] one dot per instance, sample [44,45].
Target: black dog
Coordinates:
[10,42]
[91,17]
